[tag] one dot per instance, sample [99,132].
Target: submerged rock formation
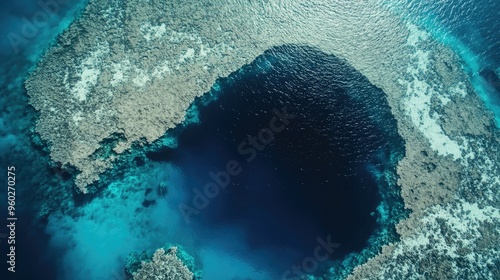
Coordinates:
[134,69]
[165,265]
[127,71]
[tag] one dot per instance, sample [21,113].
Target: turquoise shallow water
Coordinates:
[470,28]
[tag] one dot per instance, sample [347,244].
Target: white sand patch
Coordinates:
[177,37]
[150,32]
[417,101]
[88,78]
[77,117]
[88,72]
[162,69]
[460,219]
[423,59]
[187,55]
[489,183]
[108,15]
[204,50]
[444,99]
[141,77]
[468,153]
[119,71]
[65,79]
[416,35]
[98,114]
[418,107]
[226,48]
[456,90]
[459,89]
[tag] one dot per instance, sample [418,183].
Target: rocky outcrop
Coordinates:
[132,68]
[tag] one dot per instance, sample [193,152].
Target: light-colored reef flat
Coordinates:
[128,70]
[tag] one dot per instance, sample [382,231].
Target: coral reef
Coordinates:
[449,177]
[165,265]
[132,68]
[134,71]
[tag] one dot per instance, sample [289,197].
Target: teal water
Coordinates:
[64,247]
[334,188]
[34,175]
[471,29]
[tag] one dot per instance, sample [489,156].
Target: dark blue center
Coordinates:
[282,154]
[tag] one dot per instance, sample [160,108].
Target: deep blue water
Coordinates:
[229,223]
[471,29]
[310,179]
[306,179]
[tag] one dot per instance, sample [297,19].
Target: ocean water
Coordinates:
[471,29]
[21,46]
[131,214]
[311,177]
